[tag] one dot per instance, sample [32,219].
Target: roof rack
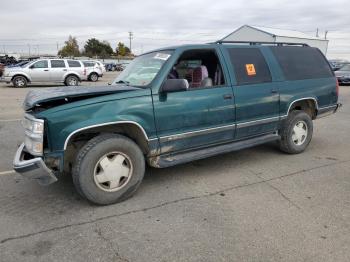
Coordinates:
[261,43]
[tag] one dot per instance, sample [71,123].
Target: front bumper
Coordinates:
[33,168]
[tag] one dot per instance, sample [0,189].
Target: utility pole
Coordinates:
[325,34]
[130,38]
[317,33]
[29,50]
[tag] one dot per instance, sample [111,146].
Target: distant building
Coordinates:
[266,34]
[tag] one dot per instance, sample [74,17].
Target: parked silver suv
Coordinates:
[69,72]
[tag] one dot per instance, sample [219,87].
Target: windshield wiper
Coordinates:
[123,82]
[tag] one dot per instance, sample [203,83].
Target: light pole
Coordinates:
[130,38]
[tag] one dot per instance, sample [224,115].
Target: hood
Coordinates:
[55,96]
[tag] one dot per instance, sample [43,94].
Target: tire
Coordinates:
[296,132]
[71,81]
[88,169]
[19,81]
[93,77]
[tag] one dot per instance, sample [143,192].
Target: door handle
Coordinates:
[64,69]
[228,96]
[46,70]
[274,91]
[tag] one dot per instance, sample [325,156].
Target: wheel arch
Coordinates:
[21,74]
[308,104]
[71,74]
[130,129]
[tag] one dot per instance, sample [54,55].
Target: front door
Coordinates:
[256,95]
[39,71]
[202,115]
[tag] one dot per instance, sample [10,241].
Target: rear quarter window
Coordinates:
[72,63]
[249,65]
[299,63]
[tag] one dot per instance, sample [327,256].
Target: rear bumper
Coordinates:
[326,111]
[34,168]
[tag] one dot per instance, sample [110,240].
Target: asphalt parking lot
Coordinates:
[253,205]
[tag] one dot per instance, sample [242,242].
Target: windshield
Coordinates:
[143,69]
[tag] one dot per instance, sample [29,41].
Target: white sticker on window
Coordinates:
[162,56]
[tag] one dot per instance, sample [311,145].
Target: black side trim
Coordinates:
[180,158]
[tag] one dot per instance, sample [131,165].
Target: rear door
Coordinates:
[58,70]
[39,71]
[256,95]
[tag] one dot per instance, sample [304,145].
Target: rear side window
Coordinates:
[249,65]
[300,63]
[57,64]
[72,63]
[89,64]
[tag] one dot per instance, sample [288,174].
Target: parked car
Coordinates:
[343,74]
[110,66]
[69,72]
[204,100]
[93,70]
[102,67]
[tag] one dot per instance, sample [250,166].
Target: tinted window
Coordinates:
[57,64]
[72,63]
[40,64]
[88,64]
[249,65]
[301,62]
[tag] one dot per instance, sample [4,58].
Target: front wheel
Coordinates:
[19,81]
[296,132]
[108,169]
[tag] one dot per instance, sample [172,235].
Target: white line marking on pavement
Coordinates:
[4,173]
[10,120]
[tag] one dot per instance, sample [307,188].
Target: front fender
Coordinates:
[62,124]
[19,73]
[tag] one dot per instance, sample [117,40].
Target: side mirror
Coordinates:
[174,85]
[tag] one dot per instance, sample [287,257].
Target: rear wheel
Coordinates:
[108,169]
[19,81]
[71,81]
[296,132]
[93,77]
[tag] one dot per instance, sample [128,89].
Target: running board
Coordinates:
[184,157]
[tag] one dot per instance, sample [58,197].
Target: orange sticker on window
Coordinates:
[250,69]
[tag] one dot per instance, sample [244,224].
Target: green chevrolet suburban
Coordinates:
[172,106]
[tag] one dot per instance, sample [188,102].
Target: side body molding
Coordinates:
[107,124]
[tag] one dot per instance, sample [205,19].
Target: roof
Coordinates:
[281,32]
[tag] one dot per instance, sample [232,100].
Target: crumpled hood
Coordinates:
[37,97]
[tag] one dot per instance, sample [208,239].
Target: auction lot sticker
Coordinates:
[250,69]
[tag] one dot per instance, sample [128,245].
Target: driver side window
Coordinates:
[40,64]
[200,67]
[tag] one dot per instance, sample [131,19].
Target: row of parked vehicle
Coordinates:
[67,71]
